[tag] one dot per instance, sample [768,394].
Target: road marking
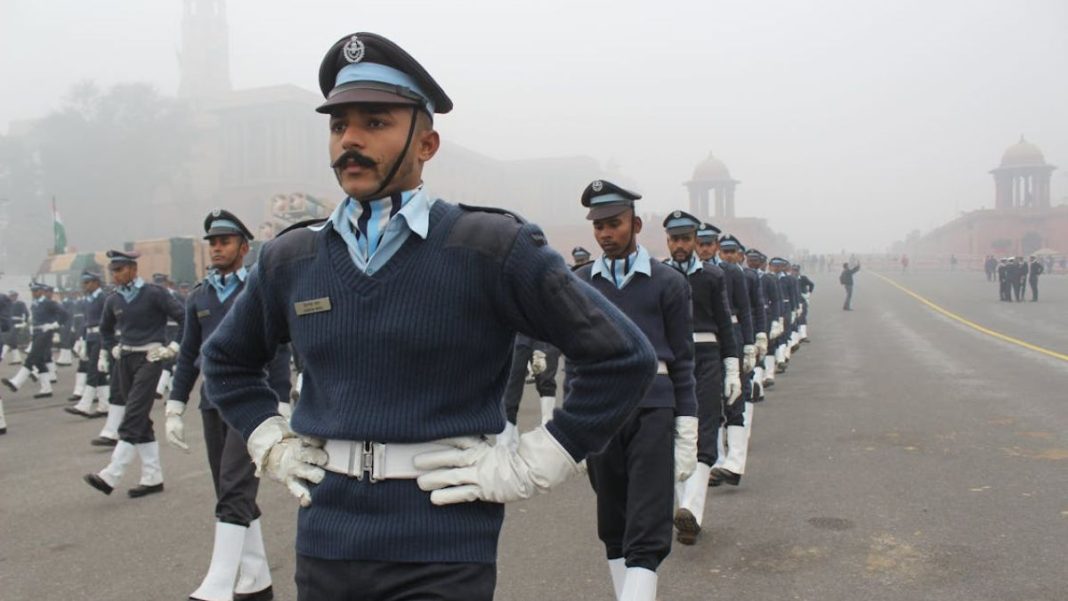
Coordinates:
[972,324]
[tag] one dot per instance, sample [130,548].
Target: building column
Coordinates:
[720,208]
[730,201]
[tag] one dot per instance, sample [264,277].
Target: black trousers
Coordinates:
[41,353]
[1005,290]
[849,296]
[116,396]
[93,376]
[1034,288]
[545,382]
[137,378]
[634,477]
[354,580]
[232,471]
[1018,290]
[708,370]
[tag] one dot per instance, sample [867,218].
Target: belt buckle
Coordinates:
[364,454]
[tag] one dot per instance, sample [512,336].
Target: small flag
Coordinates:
[58,231]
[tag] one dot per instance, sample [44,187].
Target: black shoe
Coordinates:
[42,395]
[141,490]
[103,441]
[266,594]
[768,383]
[714,479]
[3,430]
[98,483]
[98,414]
[10,385]
[726,476]
[78,412]
[687,526]
[74,397]
[805,341]
[157,396]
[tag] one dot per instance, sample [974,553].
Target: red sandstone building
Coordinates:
[1021,222]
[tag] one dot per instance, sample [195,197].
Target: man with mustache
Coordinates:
[403,309]
[238,547]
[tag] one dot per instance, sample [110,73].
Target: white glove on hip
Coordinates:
[174,427]
[116,352]
[806,296]
[732,380]
[685,447]
[287,458]
[102,363]
[164,353]
[537,362]
[748,358]
[478,471]
[761,345]
[79,349]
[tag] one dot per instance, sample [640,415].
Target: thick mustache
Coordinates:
[354,157]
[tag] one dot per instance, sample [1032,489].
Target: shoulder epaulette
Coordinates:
[496,210]
[301,224]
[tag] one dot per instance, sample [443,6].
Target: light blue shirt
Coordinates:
[130,291]
[621,271]
[413,218]
[225,286]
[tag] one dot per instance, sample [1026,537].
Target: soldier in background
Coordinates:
[1034,269]
[19,334]
[1004,281]
[96,382]
[48,316]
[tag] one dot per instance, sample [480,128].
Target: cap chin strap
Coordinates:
[400,159]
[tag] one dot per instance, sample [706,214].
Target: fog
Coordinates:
[849,124]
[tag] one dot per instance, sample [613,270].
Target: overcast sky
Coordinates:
[849,122]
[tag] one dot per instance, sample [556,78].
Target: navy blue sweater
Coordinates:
[660,305]
[711,309]
[417,352]
[94,312]
[142,321]
[738,295]
[772,295]
[757,303]
[203,313]
[48,311]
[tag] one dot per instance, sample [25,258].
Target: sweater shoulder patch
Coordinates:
[489,231]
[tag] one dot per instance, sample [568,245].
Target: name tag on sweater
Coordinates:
[203,314]
[316,305]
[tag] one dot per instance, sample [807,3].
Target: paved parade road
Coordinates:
[903,456]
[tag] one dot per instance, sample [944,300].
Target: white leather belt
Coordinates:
[93,330]
[144,348]
[734,319]
[704,337]
[661,368]
[172,323]
[356,458]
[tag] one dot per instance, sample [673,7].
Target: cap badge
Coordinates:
[597,185]
[354,50]
[677,214]
[216,213]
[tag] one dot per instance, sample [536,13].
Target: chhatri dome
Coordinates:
[710,170]
[1022,154]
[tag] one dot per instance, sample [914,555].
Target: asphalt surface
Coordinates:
[902,456]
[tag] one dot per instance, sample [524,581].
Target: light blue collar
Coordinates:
[225,286]
[130,291]
[94,294]
[415,211]
[688,267]
[414,217]
[621,271]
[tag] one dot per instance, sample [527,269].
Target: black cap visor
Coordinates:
[607,210]
[369,92]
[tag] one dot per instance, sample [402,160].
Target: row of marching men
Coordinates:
[724,320]
[72,324]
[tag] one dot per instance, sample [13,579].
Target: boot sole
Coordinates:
[142,491]
[266,594]
[10,386]
[98,483]
[687,526]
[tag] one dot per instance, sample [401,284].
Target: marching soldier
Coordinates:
[5,328]
[76,343]
[170,333]
[634,475]
[139,311]
[716,369]
[96,386]
[18,335]
[238,546]
[757,261]
[401,494]
[48,316]
[730,466]
[805,288]
[580,256]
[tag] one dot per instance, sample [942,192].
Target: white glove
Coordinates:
[102,363]
[732,380]
[748,358]
[285,410]
[55,338]
[685,447]
[761,345]
[478,471]
[175,428]
[79,349]
[164,353]
[287,458]
[776,328]
[116,352]
[806,296]
[537,362]
[50,327]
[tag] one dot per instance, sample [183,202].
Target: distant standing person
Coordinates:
[904,263]
[846,280]
[1019,278]
[991,267]
[1034,269]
